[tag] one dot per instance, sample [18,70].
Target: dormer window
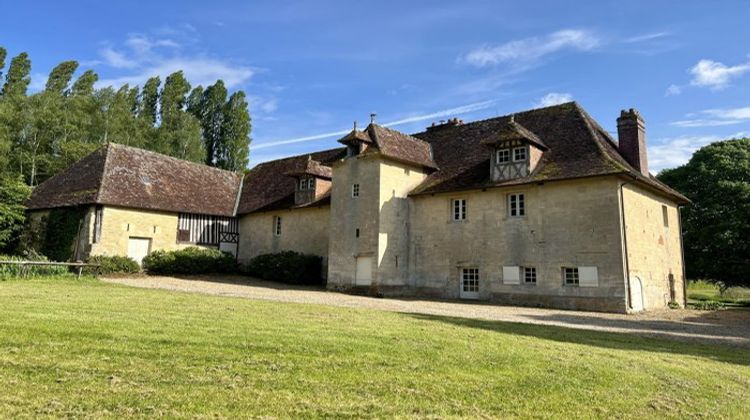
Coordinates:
[503,156]
[519,154]
[311,183]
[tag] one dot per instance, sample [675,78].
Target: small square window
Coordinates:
[503,156]
[311,183]
[459,210]
[355,190]
[516,205]
[519,154]
[302,184]
[277,226]
[570,276]
[529,275]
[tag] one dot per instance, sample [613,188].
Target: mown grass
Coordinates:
[703,291]
[87,348]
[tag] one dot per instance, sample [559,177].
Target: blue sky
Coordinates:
[312,68]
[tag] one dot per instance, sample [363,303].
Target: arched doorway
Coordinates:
[636,294]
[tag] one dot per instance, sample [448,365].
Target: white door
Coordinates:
[469,283]
[138,248]
[364,271]
[636,294]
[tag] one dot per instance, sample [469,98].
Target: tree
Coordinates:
[3,54]
[149,100]
[194,101]
[13,194]
[84,85]
[17,80]
[233,152]
[60,77]
[211,116]
[173,99]
[717,224]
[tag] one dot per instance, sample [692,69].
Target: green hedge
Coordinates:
[8,271]
[114,264]
[192,260]
[287,267]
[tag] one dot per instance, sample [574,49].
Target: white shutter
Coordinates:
[588,277]
[511,274]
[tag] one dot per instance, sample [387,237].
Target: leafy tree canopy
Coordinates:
[717,224]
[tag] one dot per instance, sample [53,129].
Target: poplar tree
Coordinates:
[17,80]
[3,54]
[194,101]
[84,85]
[149,100]
[60,76]
[212,118]
[233,151]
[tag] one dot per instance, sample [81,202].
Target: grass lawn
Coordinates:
[87,348]
[700,290]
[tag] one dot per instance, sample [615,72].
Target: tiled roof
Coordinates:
[512,130]
[577,147]
[265,188]
[128,177]
[312,167]
[402,147]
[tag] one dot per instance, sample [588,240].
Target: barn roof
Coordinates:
[124,176]
[266,188]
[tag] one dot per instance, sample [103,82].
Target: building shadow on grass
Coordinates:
[609,340]
[241,280]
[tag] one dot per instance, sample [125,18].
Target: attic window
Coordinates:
[311,183]
[503,156]
[519,154]
[355,190]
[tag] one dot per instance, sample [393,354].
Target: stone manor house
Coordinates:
[541,207]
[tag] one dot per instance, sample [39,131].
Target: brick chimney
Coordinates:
[631,136]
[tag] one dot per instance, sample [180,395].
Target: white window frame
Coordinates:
[529,275]
[506,153]
[517,205]
[515,154]
[310,183]
[458,209]
[355,190]
[471,275]
[277,226]
[302,184]
[571,276]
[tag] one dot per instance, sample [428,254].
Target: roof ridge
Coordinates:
[203,165]
[587,120]
[298,156]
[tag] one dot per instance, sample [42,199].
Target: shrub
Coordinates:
[708,305]
[8,271]
[673,305]
[192,260]
[287,267]
[112,264]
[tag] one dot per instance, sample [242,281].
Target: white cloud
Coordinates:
[715,117]
[645,37]
[524,51]
[553,98]
[266,105]
[716,75]
[673,90]
[145,57]
[464,109]
[676,151]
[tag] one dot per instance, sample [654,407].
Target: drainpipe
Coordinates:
[682,255]
[629,298]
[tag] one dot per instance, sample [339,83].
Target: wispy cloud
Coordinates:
[715,117]
[524,51]
[464,109]
[645,37]
[716,75]
[675,151]
[142,56]
[553,98]
[673,90]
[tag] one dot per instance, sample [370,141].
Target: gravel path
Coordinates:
[730,327]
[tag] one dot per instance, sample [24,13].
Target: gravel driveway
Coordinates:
[730,327]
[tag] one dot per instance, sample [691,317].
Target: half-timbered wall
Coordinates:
[207,230]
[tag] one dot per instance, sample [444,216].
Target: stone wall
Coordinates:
[304,230]
[654,250]
[567,224]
